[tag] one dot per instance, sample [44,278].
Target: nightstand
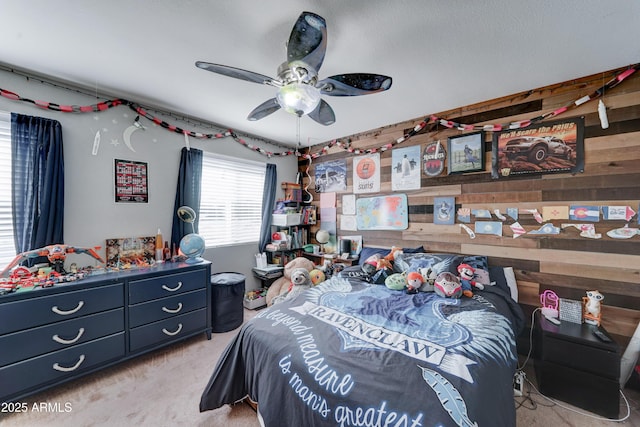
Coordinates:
[574,366]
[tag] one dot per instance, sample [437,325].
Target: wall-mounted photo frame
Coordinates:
[554,147]
[466,153]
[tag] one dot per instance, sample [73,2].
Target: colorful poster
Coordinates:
[584,213]
[383,213]
[433,159]
[405,168]
[366,173]
[331,176]
[131,181]
[546,148]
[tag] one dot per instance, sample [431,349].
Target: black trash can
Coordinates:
[227,294]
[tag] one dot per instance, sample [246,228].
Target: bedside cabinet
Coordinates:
[574,366]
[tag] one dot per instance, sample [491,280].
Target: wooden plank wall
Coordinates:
[566,263]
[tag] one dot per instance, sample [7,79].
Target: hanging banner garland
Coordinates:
[105,105]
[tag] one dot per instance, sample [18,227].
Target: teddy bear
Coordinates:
[300,282]
[281,285]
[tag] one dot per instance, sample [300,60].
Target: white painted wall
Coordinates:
[91,215]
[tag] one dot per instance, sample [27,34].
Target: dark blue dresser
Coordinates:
[53,335]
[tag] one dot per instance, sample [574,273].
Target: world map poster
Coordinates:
[382,213]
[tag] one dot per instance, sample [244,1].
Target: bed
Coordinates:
[353,353]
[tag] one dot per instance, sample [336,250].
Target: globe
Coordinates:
[192,246]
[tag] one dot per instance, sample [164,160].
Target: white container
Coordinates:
[285,220]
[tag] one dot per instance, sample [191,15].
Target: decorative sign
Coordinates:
[131,183]
[383,213]
[547,148]
[433,159]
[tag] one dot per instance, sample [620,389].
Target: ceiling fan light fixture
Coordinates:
[298,98]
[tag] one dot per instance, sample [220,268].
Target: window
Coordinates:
[7,245]
[231,200]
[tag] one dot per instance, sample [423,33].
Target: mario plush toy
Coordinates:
[467,275]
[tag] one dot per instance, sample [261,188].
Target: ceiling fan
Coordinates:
[299,89]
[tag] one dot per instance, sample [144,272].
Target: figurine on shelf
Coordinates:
[592,312]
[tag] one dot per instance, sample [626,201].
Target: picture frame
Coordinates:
[553,147]
[466,153]
[131,183]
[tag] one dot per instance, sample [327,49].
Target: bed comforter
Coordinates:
[349,353]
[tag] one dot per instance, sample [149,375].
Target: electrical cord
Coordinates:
[527,397]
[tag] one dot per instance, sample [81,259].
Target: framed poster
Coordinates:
[466,153]
[553,147]
[131,182]
[366,173]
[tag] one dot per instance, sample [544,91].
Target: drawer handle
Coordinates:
[56,310]
[57,367]
[57,339]
[168,289]
[177,310]
[173,333]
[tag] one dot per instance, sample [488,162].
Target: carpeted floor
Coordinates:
[164,388]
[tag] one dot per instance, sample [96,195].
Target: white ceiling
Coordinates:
[441,54]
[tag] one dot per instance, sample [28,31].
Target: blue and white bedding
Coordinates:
[349,353]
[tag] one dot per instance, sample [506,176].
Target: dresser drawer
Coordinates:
[33,342]
[159,309]
[171,284]
[167,330]
[37,372]
[27,313]
[583,357]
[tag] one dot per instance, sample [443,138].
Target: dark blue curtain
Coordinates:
[268,199]
[187,193]
[38,182]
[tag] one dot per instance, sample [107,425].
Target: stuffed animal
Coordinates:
[396,281]
[393,254]
[592,303]
[414,282]
[428,279]
[281,285]
[300,281]
[370,265]
[467,280]
[447,285]
[317,276]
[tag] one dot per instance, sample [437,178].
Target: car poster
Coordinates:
[554,147]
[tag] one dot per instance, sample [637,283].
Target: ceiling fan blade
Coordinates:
[308,40]
[323,114]
[263,110]
[236,73]
[354,84]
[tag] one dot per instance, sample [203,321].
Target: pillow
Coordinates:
[418,250]
[504,278]
[367,252]
[480,266]
[438,262]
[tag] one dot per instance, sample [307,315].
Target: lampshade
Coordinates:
[298,98]
[322,236]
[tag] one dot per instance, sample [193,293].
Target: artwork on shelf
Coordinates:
[366,173]
[356,244]
[331,176]
[433,157]
[405,168]
[130,250]
[444,210]
[383,212]
[466,153]
[131,181]
[553,147]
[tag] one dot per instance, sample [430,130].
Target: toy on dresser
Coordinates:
[592,307]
